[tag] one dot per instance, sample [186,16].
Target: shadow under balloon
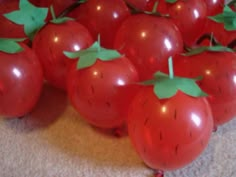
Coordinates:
[51,104]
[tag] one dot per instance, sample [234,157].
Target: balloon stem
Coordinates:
[52,12]
[99,43]
[171,70]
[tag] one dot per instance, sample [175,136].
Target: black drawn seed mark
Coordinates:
[176,149]
[190,134]
[145,102]
[146,121]
[175,114]
[101,76]
[92,89]
[50,50]
[161,136]
[108,104]
[90,103]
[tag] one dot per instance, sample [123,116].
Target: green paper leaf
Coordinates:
[90,55]
[198,50]
[10,46]
[171,1]
[227,17]
[165,87]
[71,55]
[61,20]
[219,48]
[106,54]
[89,61]
[32,17]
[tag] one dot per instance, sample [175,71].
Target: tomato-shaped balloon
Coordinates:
[102,17]
[21,80]
[49,44]
[219,80]
[98,92]
[169,133]
[148,41]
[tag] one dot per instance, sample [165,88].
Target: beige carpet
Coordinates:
[53,141]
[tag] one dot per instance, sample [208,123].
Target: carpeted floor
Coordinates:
[53,141]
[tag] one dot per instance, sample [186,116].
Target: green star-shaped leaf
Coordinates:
[10,46]
[32,17]
[90,55]
[227,17]
[166,87]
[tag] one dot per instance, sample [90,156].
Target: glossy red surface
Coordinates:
[189,16]
[214,6]
[148,42]
[219,80]
[50,43]
[21,80]
[170,133]
[99,93]
[102,17]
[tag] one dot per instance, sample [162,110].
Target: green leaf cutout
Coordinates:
[32,17]
[165,87]
[90,55]
[198,50]
[10,46]
[61,20]
[227,17]
[171,1]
